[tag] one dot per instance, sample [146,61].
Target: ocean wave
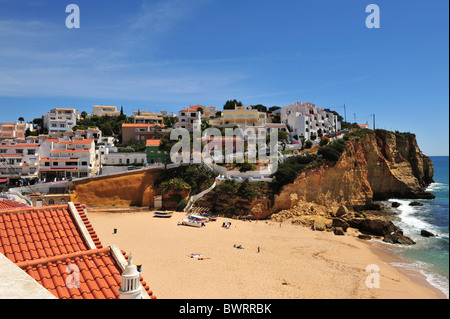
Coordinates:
[434,279]
[414,218]
[433,187]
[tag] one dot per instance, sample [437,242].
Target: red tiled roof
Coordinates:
[84,141]
[99,275]
[9,203]
[47,243]
[71,151]
[21,145]
[139,125]
[153,142]
[33,233]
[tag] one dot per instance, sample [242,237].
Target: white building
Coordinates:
[60,119]
[62,158]
[189,118]
[119,158]
[307,121]
[18,161]
[102,110]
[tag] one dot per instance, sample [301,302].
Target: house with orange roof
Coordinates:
[14,130]
[67,158]
[364,126]
[155,155]
[190,118]
[58,248]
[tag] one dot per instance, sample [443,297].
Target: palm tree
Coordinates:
[21,119]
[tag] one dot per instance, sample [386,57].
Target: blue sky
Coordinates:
[165,55]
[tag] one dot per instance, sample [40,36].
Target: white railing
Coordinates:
[195,198]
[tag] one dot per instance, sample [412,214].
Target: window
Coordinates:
[51,202]
[31,152]
[47,164]
[84,163]
[62,125]
[55,163]
[19,151]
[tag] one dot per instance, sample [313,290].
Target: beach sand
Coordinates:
[292,262]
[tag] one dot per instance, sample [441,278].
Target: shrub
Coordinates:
[181,205]
[308,144]
[244,167]
[329,153]
[175,184]
[324,141]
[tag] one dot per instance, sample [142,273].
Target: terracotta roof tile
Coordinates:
[49,231]
[47,243]
[94,274]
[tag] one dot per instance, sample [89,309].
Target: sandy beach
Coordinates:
[293,262]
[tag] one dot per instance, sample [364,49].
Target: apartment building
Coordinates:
[102,110]
[63,158]
[189,118]
[146,117]
[18,162]
[133,133]
[60,119]
[240,116]
[305,120]
[14,130]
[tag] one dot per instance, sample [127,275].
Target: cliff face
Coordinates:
[377,166]
[122,190]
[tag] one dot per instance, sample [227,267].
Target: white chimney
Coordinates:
[131,287]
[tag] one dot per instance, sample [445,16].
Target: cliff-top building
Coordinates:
[60,119]
[307,121]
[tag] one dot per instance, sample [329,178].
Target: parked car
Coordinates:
[345,130]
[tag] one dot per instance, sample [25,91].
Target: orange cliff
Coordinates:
[121,190]
[378,165]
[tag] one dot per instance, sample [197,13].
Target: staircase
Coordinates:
[193,199]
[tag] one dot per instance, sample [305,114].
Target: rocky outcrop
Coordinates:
[377,166]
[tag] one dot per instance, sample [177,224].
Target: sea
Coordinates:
[430,255]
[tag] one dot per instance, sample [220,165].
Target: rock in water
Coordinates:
[398,238]
[426,233]
[396,204]
[365,237]
[339,231]
[415,204]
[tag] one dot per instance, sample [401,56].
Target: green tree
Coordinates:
[21,119]
[230,104]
